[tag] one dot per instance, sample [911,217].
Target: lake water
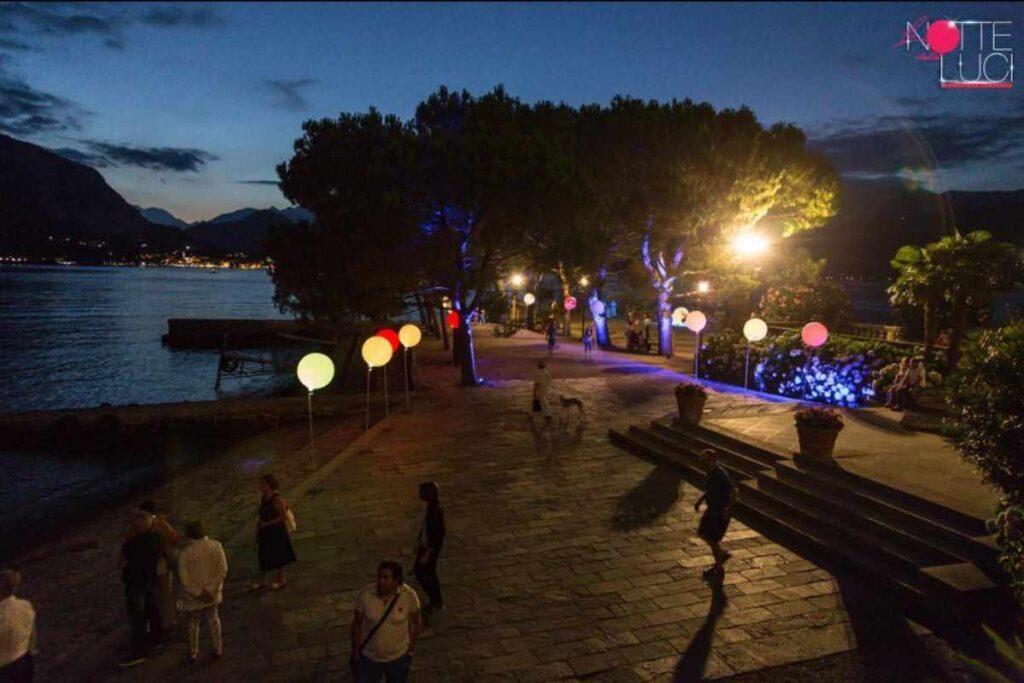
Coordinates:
[78,337]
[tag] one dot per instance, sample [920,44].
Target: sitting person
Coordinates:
[897,382]
[914,381]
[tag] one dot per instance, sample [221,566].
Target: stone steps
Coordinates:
[938,561]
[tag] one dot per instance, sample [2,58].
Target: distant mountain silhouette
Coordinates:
[219,238]
[877,217]
[293,213]
[161,217]
[46,196]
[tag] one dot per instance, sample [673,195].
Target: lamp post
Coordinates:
[583,311]
[315,371]
[517,282]
[376,352]
[696,321]
[410,336]
[754,330]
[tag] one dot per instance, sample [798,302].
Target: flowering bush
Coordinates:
[690,389]
[825,301]
[820,418]
[1008,527]
[722,357]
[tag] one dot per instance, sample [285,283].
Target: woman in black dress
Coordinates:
[275,544]
[429,544]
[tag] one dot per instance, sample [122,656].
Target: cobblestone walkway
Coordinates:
[566,557]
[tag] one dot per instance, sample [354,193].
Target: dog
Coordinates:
[567,403]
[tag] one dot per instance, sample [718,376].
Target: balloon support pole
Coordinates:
[312,448]
[405,374]
[369,370]
[385,391]
[746,368]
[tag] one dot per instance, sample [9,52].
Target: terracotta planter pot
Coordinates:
[817,442]
[691,408]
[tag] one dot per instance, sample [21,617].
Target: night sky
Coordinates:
[189,107]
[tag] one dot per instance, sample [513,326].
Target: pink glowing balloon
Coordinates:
[696,321]
[943,37]
[814,334]
[391,336]
[570,303]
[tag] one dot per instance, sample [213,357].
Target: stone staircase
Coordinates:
[938,563]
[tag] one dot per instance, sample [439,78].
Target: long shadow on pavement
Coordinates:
[692,663]
[647,501]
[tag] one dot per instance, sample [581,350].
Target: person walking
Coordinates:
[428,545]
[272,537]
[165,563]
[139,556]
[385,625]
[541,389]
[720,495]
[588,342]
[17,631]
[552,337]
[202,567]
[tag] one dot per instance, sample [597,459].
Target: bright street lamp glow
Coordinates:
[584,281]
[703,286]
[750,244]
[517,280]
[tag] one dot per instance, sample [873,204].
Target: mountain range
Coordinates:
[51,205]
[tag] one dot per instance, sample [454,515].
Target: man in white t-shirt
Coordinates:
[17,630]
[385,652]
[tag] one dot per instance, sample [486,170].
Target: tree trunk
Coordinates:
[443,325]
[598,312]
[431,309]
[665,322]
[959,329]
[929,336]
[464,335]
[563,278]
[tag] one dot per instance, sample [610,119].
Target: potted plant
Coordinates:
[817,429]
[690,398]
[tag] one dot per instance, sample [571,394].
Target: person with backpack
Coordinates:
[385,626]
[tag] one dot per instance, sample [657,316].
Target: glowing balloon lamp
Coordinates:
[696,321]
[755,329]
[814,334]
[529,298]
[453,320]
[409,335]
[376,352]
[570,303]
[678,316]
[315,371]
[391,336]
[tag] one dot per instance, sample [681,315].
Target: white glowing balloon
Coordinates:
[696,321]
[315,371]
[376,352]
[409,335]
[755,329]
[528,299]
[678,316]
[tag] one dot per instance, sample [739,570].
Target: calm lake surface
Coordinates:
[78,337]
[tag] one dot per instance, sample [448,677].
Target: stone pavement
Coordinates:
[566,558]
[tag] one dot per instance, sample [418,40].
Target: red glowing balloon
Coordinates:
[814,334]
[570,303]
[453,320]
[943,37]
[391,336]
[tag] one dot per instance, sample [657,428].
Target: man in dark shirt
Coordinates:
[138,572]
[720,494]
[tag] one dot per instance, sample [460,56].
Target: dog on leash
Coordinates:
[567,403]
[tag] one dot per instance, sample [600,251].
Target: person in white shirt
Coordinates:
[202,567]
[17,631]
[541,389]
[385,651]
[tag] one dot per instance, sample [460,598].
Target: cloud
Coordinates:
[26,111]
[287,92]
[177,159]
[176,15]
[108,21]
[258,182]
[945,139]
[81,157]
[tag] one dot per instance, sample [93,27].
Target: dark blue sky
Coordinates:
[183,106]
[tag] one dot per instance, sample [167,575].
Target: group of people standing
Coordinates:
[638,332]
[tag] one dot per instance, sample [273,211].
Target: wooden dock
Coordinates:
[210,333]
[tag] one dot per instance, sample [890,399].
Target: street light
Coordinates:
[517,280]
[703,286]
[584,281]
[750,244]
